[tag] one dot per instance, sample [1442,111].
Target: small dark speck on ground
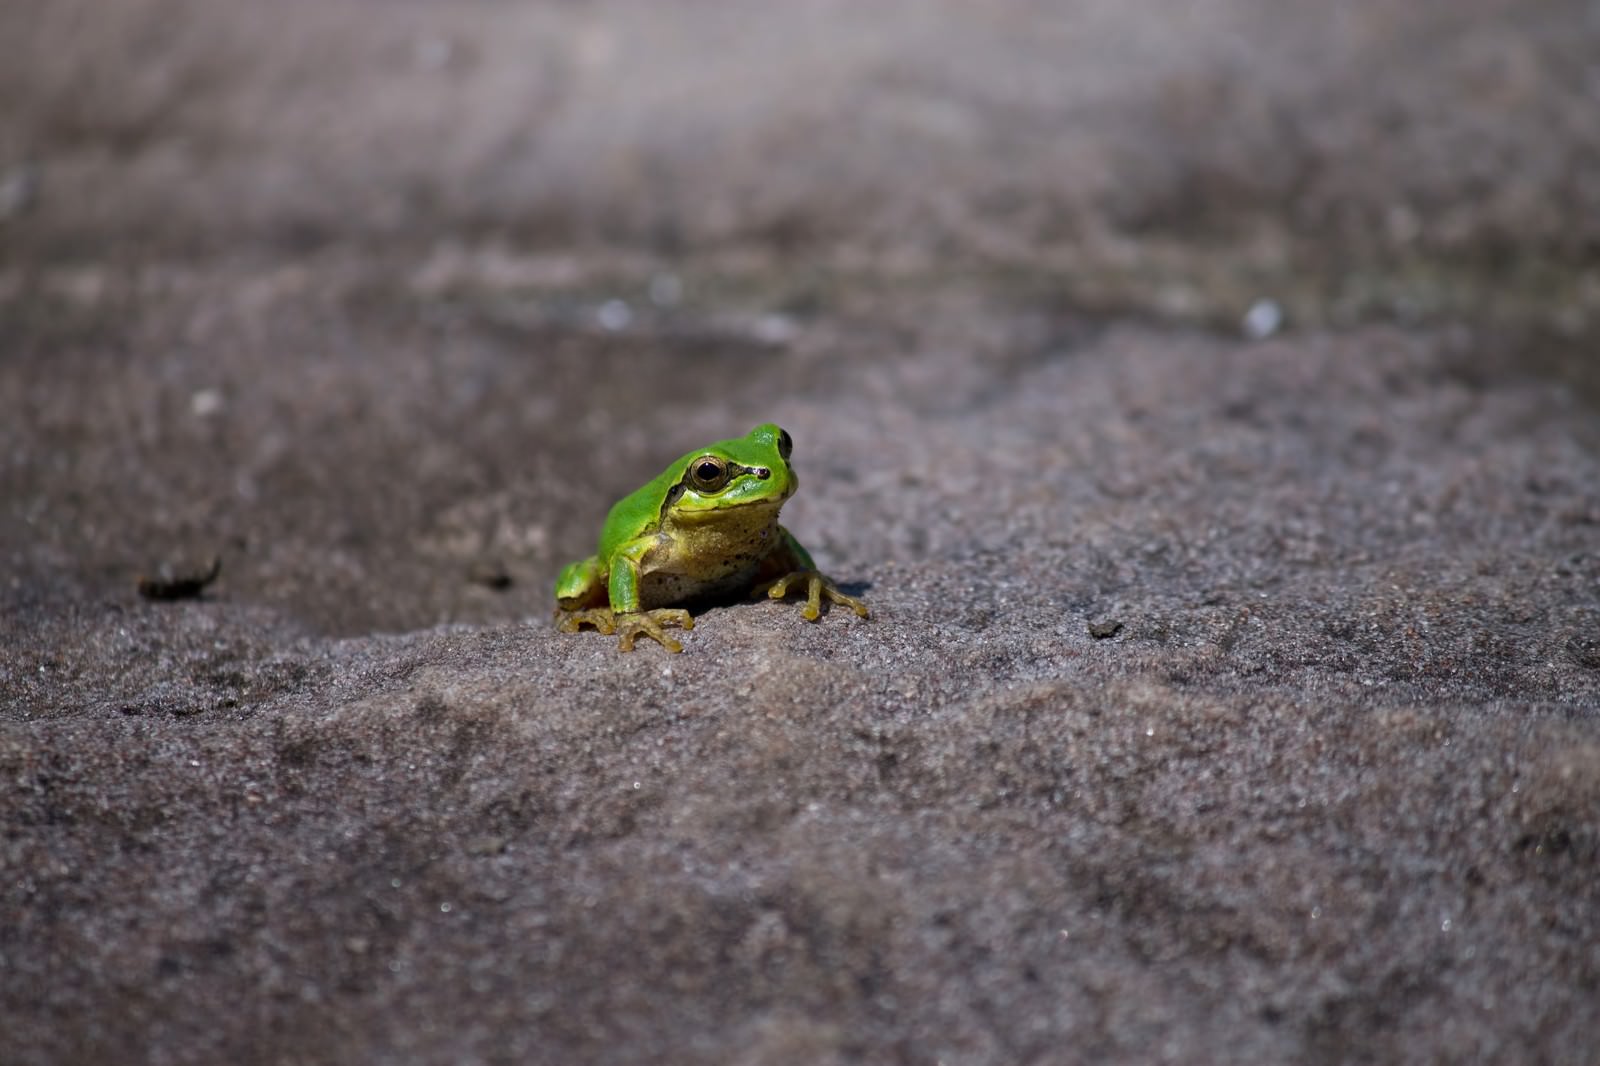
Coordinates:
[490,574]
[172,584]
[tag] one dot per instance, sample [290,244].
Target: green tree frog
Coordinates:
[707,527]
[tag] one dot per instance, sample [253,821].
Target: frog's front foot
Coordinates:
[817,586]
[649,623]
[600,617]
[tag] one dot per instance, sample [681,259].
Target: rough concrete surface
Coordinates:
[1232,692]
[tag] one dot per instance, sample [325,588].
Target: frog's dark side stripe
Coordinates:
[735,472]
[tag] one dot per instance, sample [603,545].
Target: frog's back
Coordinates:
[637,513]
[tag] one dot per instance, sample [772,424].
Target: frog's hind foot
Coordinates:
[600,617]
[649,623]
[817,586]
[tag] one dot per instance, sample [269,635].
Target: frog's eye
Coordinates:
[708,473]
[785,444]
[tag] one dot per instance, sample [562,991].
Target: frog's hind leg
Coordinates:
[600,617]
[581,598]
[581,584]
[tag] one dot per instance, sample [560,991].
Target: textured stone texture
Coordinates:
[1224,700]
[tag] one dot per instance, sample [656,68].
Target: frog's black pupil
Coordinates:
[708,472]
[785,444]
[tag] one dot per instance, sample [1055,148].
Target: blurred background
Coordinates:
[270,251]
[254,258]
[1031,134]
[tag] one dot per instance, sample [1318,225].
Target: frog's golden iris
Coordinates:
[706,527]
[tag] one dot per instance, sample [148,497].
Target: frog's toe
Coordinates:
[599,617]
[813,607]
[649,623]
[817,586]
[842,600]
[775,590]
[671,616]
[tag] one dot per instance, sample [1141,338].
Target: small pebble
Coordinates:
[206,403]
[614,315]
[487,845]
[1263,319]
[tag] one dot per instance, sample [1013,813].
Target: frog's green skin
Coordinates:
[707,526]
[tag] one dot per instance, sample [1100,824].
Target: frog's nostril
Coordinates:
[763,473]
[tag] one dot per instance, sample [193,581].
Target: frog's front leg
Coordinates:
[794,565]
[624,594]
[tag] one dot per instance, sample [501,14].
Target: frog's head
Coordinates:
[750,471]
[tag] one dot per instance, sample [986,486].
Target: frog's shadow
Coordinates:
[701,604]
